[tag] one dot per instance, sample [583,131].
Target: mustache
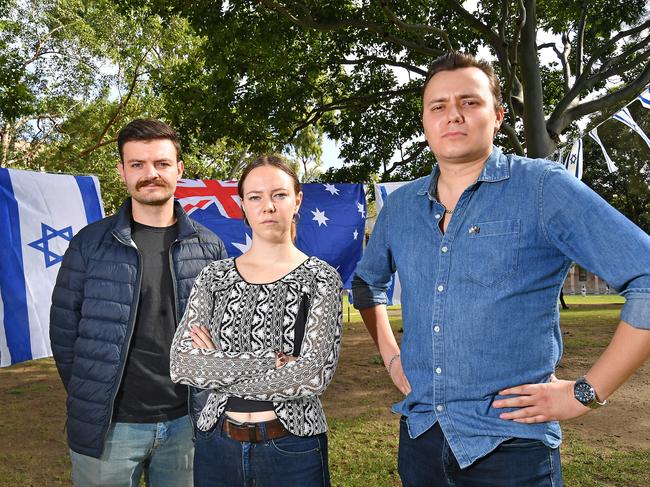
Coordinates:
[155,181]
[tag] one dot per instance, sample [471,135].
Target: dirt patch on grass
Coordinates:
[362,385]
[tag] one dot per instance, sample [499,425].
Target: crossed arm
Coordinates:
[196,359]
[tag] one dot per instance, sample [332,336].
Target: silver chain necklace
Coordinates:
[447,212]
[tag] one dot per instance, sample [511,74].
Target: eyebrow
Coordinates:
[164,159]
[272,191]
[446,98]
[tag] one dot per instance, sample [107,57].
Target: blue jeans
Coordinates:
[162,451]
[427,461]
[290,460]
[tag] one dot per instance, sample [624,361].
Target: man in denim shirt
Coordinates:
[483,246]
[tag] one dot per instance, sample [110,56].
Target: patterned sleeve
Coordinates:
[210,369]
[312,371]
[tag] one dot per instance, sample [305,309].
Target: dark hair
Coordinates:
[279,162]
[458,60]
[147,129]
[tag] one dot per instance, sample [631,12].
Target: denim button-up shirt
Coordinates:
[480,302]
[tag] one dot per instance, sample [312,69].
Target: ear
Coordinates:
[499,119]
[120,169]
[181,167]
[298,201]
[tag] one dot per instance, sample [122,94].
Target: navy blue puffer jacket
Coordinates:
[94,308]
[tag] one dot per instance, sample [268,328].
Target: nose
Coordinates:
[150,171]
[269,206]
[454,115]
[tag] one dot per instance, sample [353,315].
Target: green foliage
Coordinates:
[265,70]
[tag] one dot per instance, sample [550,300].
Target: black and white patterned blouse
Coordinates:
[248,323]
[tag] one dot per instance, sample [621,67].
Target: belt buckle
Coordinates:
[252,432]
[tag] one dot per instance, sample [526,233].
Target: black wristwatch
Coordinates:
[584,392]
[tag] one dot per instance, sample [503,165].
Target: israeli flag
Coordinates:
[39,214]
[644,97]
[624,116]
[610,164]
[573,163]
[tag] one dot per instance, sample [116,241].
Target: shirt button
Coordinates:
[438,370]
[437,216]
[441,288]
[444,250]
[440,408]
[436,329]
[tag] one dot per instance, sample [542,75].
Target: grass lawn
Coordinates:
[610,447]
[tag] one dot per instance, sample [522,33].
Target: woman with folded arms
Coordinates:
[260,337]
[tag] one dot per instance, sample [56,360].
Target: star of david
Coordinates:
[43,243]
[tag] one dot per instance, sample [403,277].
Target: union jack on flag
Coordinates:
[331,224]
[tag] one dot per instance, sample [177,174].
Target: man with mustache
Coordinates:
[121,291]
[483,245]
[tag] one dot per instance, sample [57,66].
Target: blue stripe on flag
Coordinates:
[12,278]
[384,194]
[90,198]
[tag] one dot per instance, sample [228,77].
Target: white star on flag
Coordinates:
[320,217]
[361,210]
[331,188]
[355,234]
[245,247]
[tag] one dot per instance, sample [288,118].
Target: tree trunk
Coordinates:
[4,142]
[538,141]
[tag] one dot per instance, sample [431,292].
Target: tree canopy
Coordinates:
[269,68]
[238,77]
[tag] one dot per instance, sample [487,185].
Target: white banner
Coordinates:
[610,164]
[624,116]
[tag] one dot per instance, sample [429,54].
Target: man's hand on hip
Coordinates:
[538,403]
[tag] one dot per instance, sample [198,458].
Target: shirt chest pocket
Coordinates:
[491,254]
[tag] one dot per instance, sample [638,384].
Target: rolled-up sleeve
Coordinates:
[592,233]
[376,267]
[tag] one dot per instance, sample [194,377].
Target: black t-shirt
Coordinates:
[147,394]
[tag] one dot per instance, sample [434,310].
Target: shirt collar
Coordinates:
[496,168]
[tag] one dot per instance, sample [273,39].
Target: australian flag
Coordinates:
[330,227]
[39,214]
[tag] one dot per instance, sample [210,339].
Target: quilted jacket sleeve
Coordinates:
[65,312]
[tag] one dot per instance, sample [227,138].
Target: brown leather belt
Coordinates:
[253,432]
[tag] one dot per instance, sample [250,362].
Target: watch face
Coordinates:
[584,392]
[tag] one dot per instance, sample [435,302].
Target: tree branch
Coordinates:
[310,23]
[564,59]
[415,27]
[513,139]
[420,146]
[315,114]
[513,62]
[119,108]
[586,82]
[627,52]
[388,62]
[580,41]
[627,92]
[491,36]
